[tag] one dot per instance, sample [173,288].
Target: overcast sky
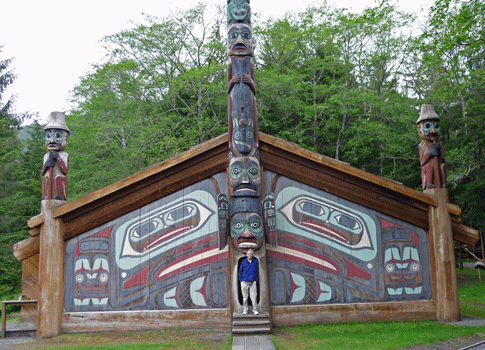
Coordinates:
[54,42]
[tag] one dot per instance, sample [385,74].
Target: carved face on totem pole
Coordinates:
[238,11]
[246,223]
[428,124]
[429,130]
[244,176]
[240,41]
[56,139]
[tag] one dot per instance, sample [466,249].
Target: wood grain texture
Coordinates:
[51,272]
[446,285]
[287,316]
[464,234]
[74,322]
[26,248]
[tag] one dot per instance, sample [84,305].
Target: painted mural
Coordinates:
[324,249]
[170,254]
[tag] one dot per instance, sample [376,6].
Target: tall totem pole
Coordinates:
[246,210]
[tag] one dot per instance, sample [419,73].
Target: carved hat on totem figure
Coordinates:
[57,132]
[246,215]
[428,123]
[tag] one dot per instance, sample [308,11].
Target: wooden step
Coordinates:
[248,324]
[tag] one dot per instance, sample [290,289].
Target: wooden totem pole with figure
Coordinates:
[51,246]
[431,154]
[56,161]
[245,206]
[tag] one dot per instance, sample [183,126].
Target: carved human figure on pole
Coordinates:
[56,161]
[431,153]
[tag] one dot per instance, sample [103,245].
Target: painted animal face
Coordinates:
[245,177]
[240,41]
[247,231]
[243,130]
[91,281]
[402,267]
[429,130]
[56,139]
[238,10]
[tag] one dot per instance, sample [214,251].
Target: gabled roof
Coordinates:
[211,157]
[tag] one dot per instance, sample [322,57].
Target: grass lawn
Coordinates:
[355,336]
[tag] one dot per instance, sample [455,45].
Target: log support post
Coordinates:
[51,272]
[442,249]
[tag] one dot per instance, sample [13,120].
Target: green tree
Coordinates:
[162,91]
[19,184]
[453,47]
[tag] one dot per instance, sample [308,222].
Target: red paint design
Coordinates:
[325,229]
[387,224]
[186,267]
[355,271]
[297,259]
[288,237]
[140,278]
[415,239]
[309,243]
[76,250]
[106,233]
[293,286]
[167,235]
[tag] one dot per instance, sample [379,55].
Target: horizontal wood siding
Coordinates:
[286,316]
[74,322]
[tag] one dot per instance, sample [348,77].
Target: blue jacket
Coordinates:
[249,271]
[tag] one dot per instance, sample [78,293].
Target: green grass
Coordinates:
[471,292]
[177,339]
[375,336]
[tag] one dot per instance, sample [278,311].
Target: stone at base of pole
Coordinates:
[51,272]
[445,291]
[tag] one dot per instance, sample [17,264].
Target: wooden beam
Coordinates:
[464,234]
[36,220]
[120,321]
[287,316]
[26,248]
[445,291]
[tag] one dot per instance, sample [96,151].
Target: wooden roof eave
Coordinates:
[210,157]
[132,192]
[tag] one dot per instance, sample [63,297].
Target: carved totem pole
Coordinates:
[246,209]
[431,154]
[56,161]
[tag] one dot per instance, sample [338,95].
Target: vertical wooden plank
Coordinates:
[51,272]
[441,235]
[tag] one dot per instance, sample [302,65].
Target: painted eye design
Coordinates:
[255,224]
[143,229]
[103,277]
[253,171]
[178,214]
[414,266]
[312,208]
[80,278]
[238,225]
[347,222]
[236,172]
[390,268]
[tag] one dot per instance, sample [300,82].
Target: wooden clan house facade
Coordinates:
[148,252]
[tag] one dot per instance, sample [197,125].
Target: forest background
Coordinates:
[345,85]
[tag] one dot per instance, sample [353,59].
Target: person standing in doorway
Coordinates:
[248,276]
